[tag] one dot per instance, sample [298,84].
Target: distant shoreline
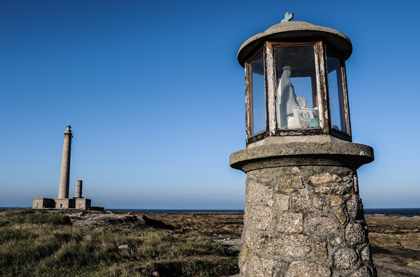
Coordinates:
[406,212]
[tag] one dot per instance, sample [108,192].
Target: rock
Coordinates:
[333,188]
[355,207]
[366,254]
[103,219]
[259,267]
[341,215]
[290,183]
[307,203]
[323,179]
[290,223]
[392,269]
[336,201]
[362,272]
[356,233]
[290,245]
[305,269]
[262,193]
[394,231]
[414,264]
[253,239]
[321,246]
[156,223]
[282,202]
[345,258]
[155,274]
[124,246]
[338,240]
[322,225]
[260,217]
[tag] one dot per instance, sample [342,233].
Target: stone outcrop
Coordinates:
[103,219]
[156,223]
[394,231]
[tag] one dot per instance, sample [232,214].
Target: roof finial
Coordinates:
[287,17]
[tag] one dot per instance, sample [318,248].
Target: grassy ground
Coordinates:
[37,243]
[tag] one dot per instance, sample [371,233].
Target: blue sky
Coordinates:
[155,97]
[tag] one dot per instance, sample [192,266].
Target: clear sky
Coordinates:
[155,97]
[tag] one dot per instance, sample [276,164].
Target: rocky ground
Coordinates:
[395,244]
[395,240]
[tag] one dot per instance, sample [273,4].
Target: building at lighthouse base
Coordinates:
[62,203]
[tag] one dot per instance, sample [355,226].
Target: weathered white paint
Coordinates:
[247,104]
[270,81]
[346,100]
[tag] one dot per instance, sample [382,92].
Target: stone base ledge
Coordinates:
[346,154]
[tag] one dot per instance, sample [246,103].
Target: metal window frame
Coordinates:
[249,99]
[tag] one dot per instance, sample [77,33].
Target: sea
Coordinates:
[408,212]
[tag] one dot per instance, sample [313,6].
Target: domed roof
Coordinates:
[295,29]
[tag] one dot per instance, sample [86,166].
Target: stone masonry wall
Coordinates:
[304,221]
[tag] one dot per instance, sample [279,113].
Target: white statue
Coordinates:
[287,100]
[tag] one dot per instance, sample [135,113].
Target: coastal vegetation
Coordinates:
[41,243]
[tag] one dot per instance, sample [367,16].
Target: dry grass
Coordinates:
[36,243]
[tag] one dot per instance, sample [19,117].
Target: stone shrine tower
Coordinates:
[63,190]
[303,214]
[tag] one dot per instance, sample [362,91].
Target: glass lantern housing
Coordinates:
[296,87]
